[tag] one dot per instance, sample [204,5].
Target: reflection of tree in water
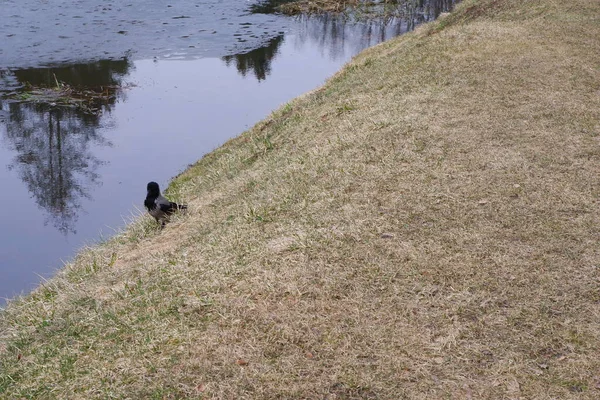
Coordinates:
[53,158]
[339,35]
[92,87]
[430,8]
[258,60]
[92,75]
[53,144]
[8,81]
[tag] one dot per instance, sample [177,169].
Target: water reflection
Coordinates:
[336,35]
[52,144]
[339,33]
[426,9]
[257,61]
[431,9]
[93,75]
[56,155]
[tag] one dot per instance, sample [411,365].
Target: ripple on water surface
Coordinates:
[37,33]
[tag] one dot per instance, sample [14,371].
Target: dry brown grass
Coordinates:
[318,6]
[425,226]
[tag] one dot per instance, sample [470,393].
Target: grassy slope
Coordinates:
[423,226]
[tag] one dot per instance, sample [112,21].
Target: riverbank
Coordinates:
[424,225]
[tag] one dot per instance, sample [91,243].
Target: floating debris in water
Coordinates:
[87,100]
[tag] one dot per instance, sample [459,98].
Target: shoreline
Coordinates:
[422,225]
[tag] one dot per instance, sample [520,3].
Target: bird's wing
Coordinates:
[164,204]
[149,204]
[167,208]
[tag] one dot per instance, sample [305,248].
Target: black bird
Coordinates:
[158,206]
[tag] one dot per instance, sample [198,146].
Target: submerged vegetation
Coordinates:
[85,88]
[424,225]
[86,100]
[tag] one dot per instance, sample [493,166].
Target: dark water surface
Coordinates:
[190,75]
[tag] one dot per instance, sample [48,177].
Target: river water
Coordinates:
[189,75]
